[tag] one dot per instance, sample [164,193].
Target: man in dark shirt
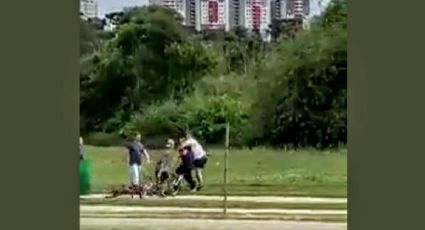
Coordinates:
[134,155]
[185,168]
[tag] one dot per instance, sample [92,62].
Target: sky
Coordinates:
[106,6]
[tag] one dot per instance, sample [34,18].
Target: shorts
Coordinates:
[135,174]
[200,163]
[163,176]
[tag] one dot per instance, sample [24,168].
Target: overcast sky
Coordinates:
[106,6]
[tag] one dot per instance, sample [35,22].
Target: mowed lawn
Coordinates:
[251,172]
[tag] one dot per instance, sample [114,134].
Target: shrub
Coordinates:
[206,117]
[156,120]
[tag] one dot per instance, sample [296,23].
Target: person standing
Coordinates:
[85,184]
[199,157]
[162,169]
[136,154]
[81,149]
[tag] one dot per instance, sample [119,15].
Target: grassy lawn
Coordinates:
[251,172]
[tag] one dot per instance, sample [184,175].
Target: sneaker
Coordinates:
[199,187]
[174,193]
[194,190]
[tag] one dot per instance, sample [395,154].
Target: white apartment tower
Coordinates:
[257,15]
[213,15]
[229,14]
[289,9]
[88,8]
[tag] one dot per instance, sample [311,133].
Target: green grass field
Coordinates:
[251,172]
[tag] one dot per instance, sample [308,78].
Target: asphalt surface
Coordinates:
[198,224]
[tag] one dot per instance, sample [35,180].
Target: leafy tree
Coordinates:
[149,59]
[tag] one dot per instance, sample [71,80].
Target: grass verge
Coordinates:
[213,204]
[251,172]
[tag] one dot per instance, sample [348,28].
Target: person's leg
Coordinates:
[199,177]
[189,179]
[163,179]
[134,174]
[180,173]
[140,174]
[200,164]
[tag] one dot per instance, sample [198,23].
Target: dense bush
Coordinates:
[155,120]
[206,117]
[304,103]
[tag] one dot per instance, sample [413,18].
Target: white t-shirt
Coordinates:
[198,150]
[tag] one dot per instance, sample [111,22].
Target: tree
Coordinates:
[302,87]
[149,59]
[88,38]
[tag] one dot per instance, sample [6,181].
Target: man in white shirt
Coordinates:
[199,157]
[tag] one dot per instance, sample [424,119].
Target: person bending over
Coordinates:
[185,169]
[200,158]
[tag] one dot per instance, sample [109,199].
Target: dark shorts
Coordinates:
[163,176]
[200,163]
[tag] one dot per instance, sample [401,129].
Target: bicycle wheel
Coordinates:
[174,185]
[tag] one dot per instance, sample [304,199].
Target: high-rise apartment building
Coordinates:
[213,14]
[88,8]
[236,13]
[229,14]
[289,9]
[256,15]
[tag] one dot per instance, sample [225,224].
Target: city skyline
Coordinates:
[106,6]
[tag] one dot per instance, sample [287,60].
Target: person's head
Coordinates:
[138,137]
[182,139]
[81,141]
[170,144]
[181,151]
[185,150]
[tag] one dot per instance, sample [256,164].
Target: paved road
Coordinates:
[140,209]
[196,224]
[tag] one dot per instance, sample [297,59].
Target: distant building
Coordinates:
[257,16]
[88,9]
[289,9]
[226,15]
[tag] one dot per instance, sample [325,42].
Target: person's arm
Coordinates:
[148,159]
[145,152]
